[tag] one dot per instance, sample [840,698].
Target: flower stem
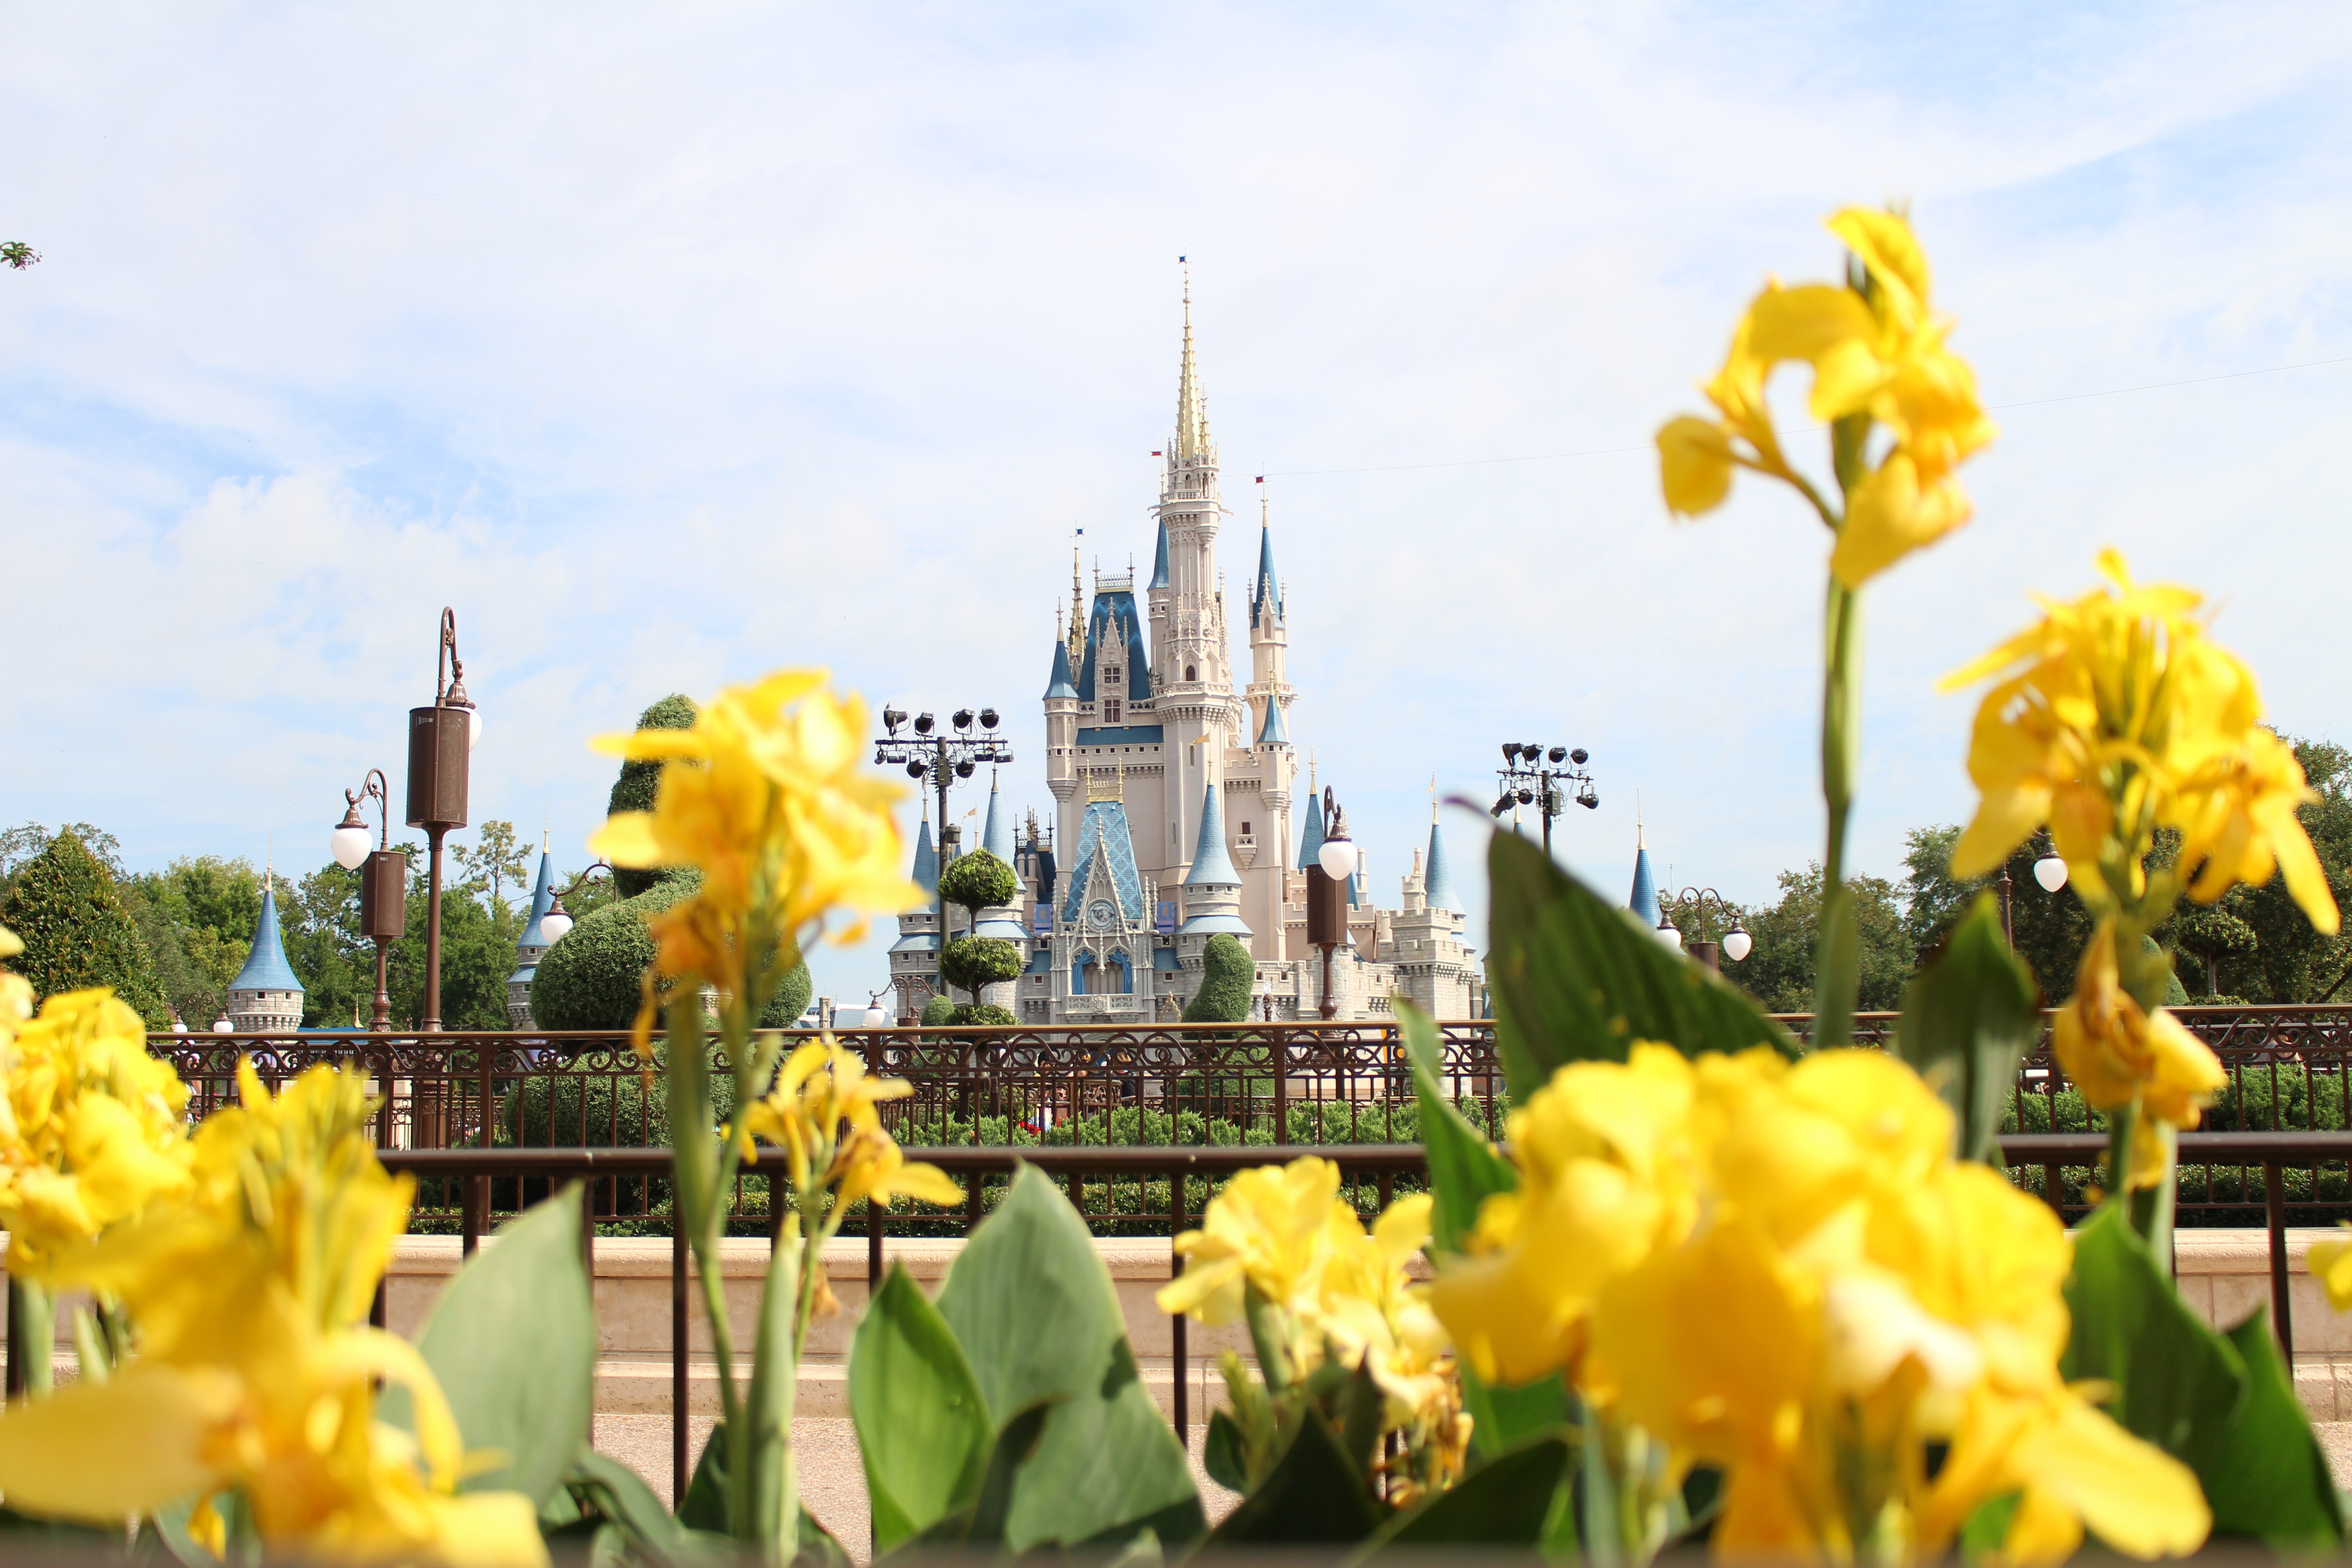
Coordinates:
[1838,958]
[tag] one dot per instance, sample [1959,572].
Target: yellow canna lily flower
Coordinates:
[824,1112]
[1273,1228]
[2330,1263]
[2118,1053]
[255,1371]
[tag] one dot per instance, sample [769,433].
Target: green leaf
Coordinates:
[621,1496]
[1577,979]
[981,1523]
[1465,1169]
[2271,1477]
[922,1424]
[1221,1452]
[1967,1020]
[1987,1530]
[2178,1382]
[1314,1496]
[1039,1321]
[1503,1502]
[704,1506]
[513,1341]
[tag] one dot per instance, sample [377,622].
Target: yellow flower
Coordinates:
[822,1089]
[1876,351]
[91,1126]
[1837,1294]
[254,1371]
[2117,1052]
[2116,715]
[1275,1228]
[2330,1263]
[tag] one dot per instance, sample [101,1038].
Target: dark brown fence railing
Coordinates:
[1213,1086]
[1186,1177]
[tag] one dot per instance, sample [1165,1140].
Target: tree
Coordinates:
[1778,968]
[2051,929]
[198,915]
[319,917]
[496,861]
[974,882]
[1227,974]
[76,934]
[639,782]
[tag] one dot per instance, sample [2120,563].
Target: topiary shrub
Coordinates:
[980,1013]
[590,980]
[972,961]
[76,932]
[938,1011]
[639,782]
[791,999]
[1227,972]
[979,881]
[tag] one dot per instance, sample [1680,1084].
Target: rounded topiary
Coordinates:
[791,999]
[1227,972]
[979,881]
[590,979]
[980,1013]
[972,961]
[77,934]
[938,1011]
[639,782]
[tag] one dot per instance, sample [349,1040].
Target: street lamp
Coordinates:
[1326,893]
[2050,872]
[557,920]
[1532,775]
[441,740]
[943,758]
[384,884]
[1737,943]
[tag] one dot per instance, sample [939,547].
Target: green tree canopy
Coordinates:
[639,782]
[77,934]
[1227,974]
[1778,968]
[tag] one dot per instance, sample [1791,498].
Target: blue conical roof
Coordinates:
[927,860]
[1213,866]
[1059,684]
[1159,563]
[1267,585]
[1310,837]
[543,898]
[266,968]
[1644,902]
[1437,882]
[996,833]
[1273,733]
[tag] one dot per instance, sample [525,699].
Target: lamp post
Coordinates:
[1326,893]
[1737,943]
[557,920]
[1532,775]
[384,884]
[943,757]
[441,741]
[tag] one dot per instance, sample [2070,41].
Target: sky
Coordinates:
[671,345]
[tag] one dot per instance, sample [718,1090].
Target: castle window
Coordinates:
[1246,831]
[1110,710]
[1189,675]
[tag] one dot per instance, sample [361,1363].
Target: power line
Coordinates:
[1608,451]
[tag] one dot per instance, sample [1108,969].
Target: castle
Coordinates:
[1175,790]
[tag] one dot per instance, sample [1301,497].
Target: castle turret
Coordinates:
[1644,901]
[996,838]
[531,947]
[1212,889]
[266,998]
[1438,883]
[914,957]
[1269,688]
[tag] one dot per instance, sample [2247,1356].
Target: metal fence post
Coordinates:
[2281,1311]
[1176,1323]
[1281,1086]
[677,1346]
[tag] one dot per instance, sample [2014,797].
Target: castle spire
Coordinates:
[1191,449]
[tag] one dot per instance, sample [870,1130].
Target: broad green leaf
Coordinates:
[2177,1383]
[2271,1477]
[1221,1452]
[513,1341]
[1968,1020]
[619,1494]
[704,1506]
[981,1523]
[1038,1319]
[1314,1496]
[1503,1502]
[1987,1529]
[1577,978]
[922,1426]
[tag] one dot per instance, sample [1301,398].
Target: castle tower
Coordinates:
[1644,901]
[1269,687]
[531,947]
[1212,889]
[996,837]
[266,998]
[915,956]
[1434,968]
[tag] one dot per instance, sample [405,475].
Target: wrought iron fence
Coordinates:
[1209,1085]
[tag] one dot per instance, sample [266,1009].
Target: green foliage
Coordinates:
[976,1014]
[1575,978]
[76,932]
[496,862]
[1778,970]
[1502,1503]
[922,1426]
[1967,1022]
[791,999]
[979,881]
[1314,1496]
[513,1341]
[2260,945]
[1227,974]
[2195,1394]
[1033,1309]
[972,961]
[938,1011]
[590,979]
[639,782]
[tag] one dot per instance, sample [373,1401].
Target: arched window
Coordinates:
[1079,967]
[1189,674]
[1126,987]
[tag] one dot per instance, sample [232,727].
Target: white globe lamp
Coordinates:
[876,1017]
[1737,944]
[1667,935]
[2050,872]
[221,1026]
[555,922]
[1337,858]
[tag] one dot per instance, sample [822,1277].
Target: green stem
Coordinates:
[1838,958]
[32,1314]
[1273,1362]
[2152,1207]
[2120,1122]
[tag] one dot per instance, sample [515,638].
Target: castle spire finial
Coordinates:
[1191,449]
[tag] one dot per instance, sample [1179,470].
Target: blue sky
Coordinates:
[674,344]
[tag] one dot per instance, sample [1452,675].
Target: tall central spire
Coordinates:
[1191,449]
